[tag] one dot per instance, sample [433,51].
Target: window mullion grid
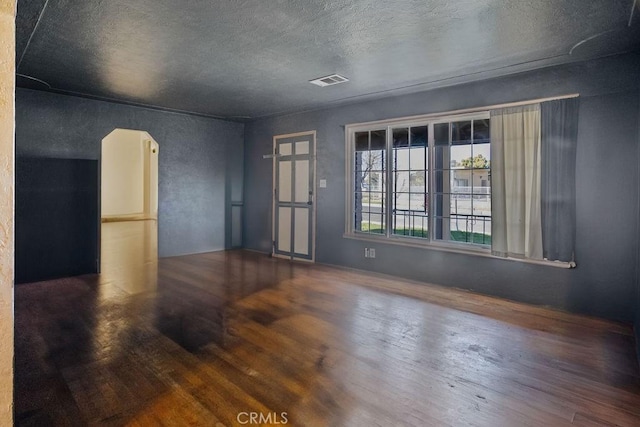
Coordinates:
[430,187]
[432,198]
[369,167]
[388,216]
[354,181]
[473,172]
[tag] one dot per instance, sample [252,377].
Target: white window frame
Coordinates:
[428,120]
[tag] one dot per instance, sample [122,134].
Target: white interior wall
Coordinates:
[123,173]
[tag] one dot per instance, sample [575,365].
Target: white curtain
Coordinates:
[516,226]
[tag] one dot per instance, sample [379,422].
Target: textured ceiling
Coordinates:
[252,58]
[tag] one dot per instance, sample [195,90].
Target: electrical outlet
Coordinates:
[372,253]
[366,252]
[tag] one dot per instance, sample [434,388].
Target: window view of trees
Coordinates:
[477,162]
[370,170]
[463,181]
[460,190]
[410,175]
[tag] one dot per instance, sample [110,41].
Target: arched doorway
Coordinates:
[129,208]
[129,176]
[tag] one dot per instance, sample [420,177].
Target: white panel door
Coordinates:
[294,181]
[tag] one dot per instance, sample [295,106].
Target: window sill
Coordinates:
[474,250]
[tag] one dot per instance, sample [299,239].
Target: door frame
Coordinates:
[311,133]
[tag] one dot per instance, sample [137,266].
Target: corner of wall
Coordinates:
[7,134]
[636,324]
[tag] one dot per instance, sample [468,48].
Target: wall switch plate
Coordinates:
[372,253]
[323,183]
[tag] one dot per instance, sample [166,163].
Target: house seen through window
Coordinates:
[429,181]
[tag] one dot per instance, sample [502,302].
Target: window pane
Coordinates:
[419,202]
[418,158]
[482,155]
[482,230]
[461,132]
[420,226]
[366,201]
[419,136]
[375,160]
[376,223]
[459,203]
[441,133]
[481,130]
[362,141]
[401,223]
[378,139]
[410,223]
[376,200]
[461,180]
[375,181]
[482,202]
[418,181]
[459,228]
[461,156]
[401,181]
[401,159]
[400,201]
[400,137]
[480,181]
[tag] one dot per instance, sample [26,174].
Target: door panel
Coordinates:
[285,149]
[294,195]
[301,232]
[302,147]
[284,176]
[302,181]
[284,229]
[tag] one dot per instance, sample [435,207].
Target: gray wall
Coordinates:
[604,284]
[199,159]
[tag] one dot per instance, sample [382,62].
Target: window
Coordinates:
[410,192]
[425,181]
[369,181]
[461,181]
[429,180]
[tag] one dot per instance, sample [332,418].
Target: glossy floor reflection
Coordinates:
[200,339]
[129,256]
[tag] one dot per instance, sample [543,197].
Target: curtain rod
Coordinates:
[467,110]
[532,101]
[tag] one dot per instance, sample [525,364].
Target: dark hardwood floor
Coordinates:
[209,339]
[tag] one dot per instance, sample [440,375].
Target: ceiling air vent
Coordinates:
[331,80]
